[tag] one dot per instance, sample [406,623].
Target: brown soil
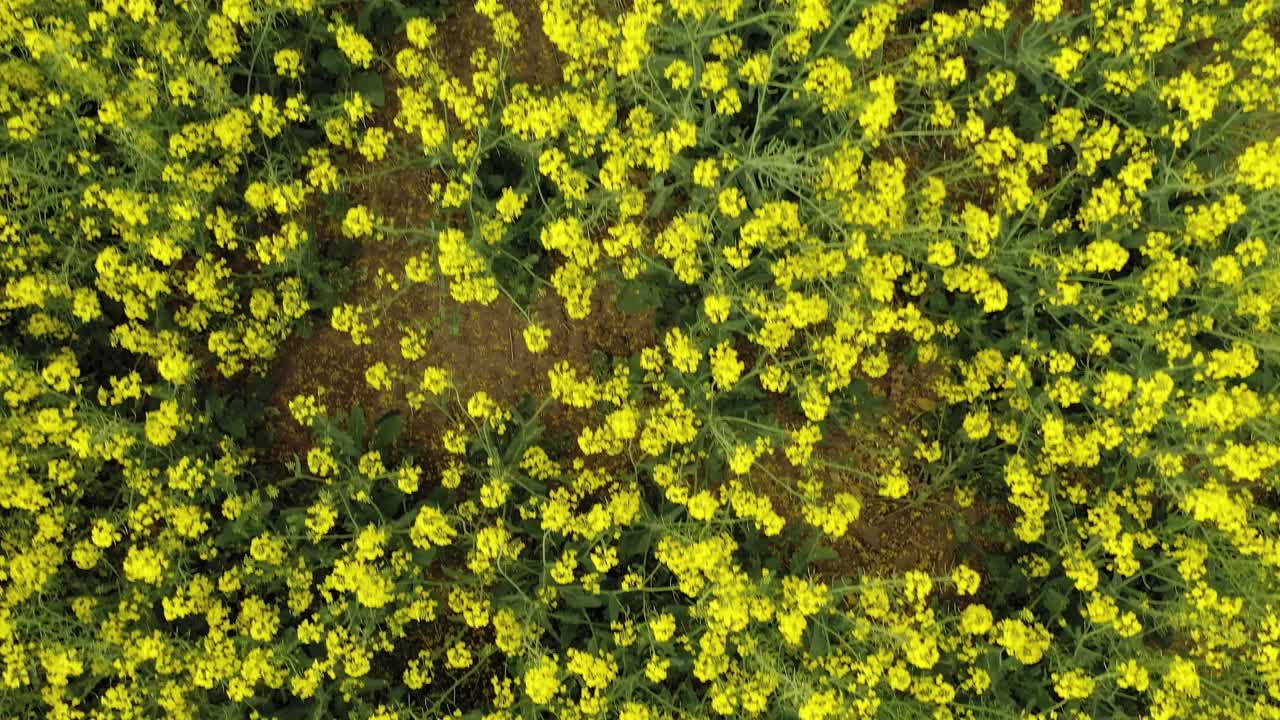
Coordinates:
[890,536]
[893,536]
[915,532]
[534,60]
[481,346]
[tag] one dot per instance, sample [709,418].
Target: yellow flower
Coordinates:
[706,172]
[373,145]
[821,706]
[458,656]
[511,204]
[431,528]
[731,202]
[831,81]
[717,307]
[982,228]
[726,368]
[162,424]
[755,69]
[877,114]
[1132,676]
[420,31]
[1047,10]
[355,46]
[358,222]
[1105,256]
[537,338]
[966,580]
[542,681]
[1183,677]
[1258,166]
[288,63]
[378,376]
[977,423]
[1073,685]
[663,627]
[104,534]
[222,42]
[685,355]
[894,483]
[703,506]
[679,74]
[870,33]
[656,669]
[144,564]
[975,620]
[1027,643]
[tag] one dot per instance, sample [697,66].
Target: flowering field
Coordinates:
[808,360]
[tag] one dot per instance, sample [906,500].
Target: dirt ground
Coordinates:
[481,346]
[890,536]
[535,59]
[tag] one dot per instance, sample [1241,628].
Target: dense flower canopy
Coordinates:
[815,359]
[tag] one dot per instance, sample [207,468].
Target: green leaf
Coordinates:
[424,558]
[215,404]
[370,86]
[1054,601]
[295,520]
[577,598]
[635,543]
[233,425]
[713,468]
[229,537]
[357,424]
[636,296]
[823,553]
[567,633]
[333,61]
[819,642]
[345,442]
[387,430]
[810,552]
[296,710]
